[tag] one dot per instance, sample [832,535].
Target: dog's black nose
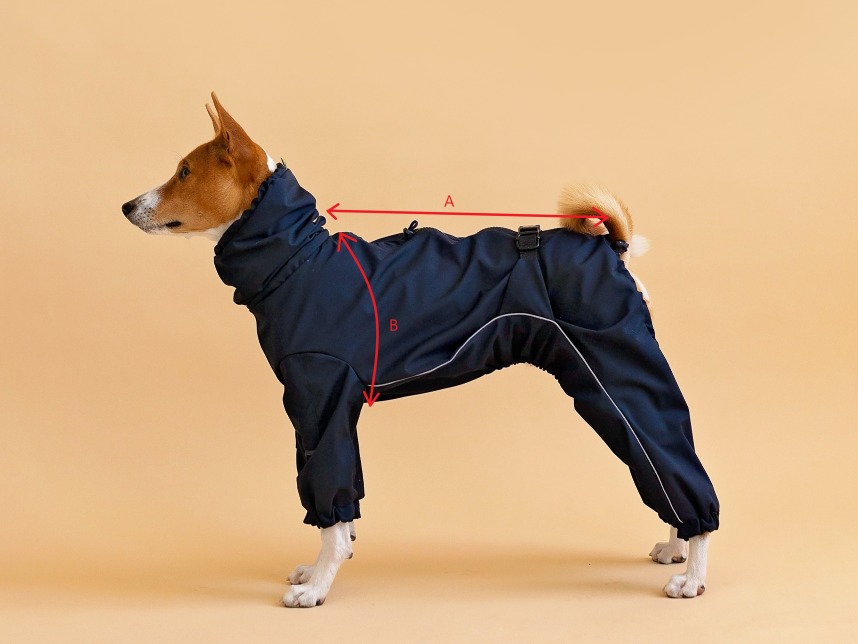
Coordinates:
[128,207]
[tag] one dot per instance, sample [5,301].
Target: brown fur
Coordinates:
[224,177]
[582,199]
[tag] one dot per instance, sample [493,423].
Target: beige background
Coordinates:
[146,465]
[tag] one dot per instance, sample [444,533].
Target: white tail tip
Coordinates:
[638,246]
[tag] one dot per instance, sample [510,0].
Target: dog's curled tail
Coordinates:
[585,200]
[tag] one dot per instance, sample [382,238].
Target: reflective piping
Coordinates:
[586,364]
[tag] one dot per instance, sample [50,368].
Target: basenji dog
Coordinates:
[561,299]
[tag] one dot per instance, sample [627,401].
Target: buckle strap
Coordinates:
[527,239]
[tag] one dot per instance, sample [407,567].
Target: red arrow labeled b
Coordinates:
[343,240]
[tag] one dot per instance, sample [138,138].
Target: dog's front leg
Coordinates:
[693,582]
[303,572]
[312,583]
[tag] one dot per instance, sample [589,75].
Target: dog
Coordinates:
[560,299]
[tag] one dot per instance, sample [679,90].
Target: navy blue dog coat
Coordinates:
[463,307]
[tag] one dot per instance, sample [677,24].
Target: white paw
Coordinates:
[303,596]
[673,551]
[301,574]
[684,586]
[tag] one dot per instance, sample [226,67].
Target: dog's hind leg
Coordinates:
[674,550]
[623,387]
[315,581]
[693,581]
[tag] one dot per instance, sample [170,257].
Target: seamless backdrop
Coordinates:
[146,466]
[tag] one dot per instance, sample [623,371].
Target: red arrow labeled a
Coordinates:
[599,215]
[343,240]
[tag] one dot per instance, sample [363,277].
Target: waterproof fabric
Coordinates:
[462,307]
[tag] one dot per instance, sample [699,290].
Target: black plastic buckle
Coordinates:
[527,238]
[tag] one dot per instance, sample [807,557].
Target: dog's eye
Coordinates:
[184,172]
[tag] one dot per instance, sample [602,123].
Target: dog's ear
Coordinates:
[215,119]
[230,132]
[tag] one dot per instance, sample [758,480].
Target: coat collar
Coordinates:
[270,240]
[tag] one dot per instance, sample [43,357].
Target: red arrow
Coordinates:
[600,216]
[344,240]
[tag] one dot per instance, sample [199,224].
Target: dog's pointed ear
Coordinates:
[232,134]
[215,120]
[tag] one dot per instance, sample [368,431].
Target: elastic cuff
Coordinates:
[338,514]
[694,527]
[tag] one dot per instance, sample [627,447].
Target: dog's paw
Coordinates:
[673,551]
[301,574]
[303,596]
[684,586]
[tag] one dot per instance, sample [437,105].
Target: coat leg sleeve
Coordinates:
[624,388]
[323,398]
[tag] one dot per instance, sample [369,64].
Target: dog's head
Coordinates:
[211,186]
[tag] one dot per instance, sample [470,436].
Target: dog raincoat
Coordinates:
[451,310]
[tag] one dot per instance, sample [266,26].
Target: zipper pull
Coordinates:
[408,232]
